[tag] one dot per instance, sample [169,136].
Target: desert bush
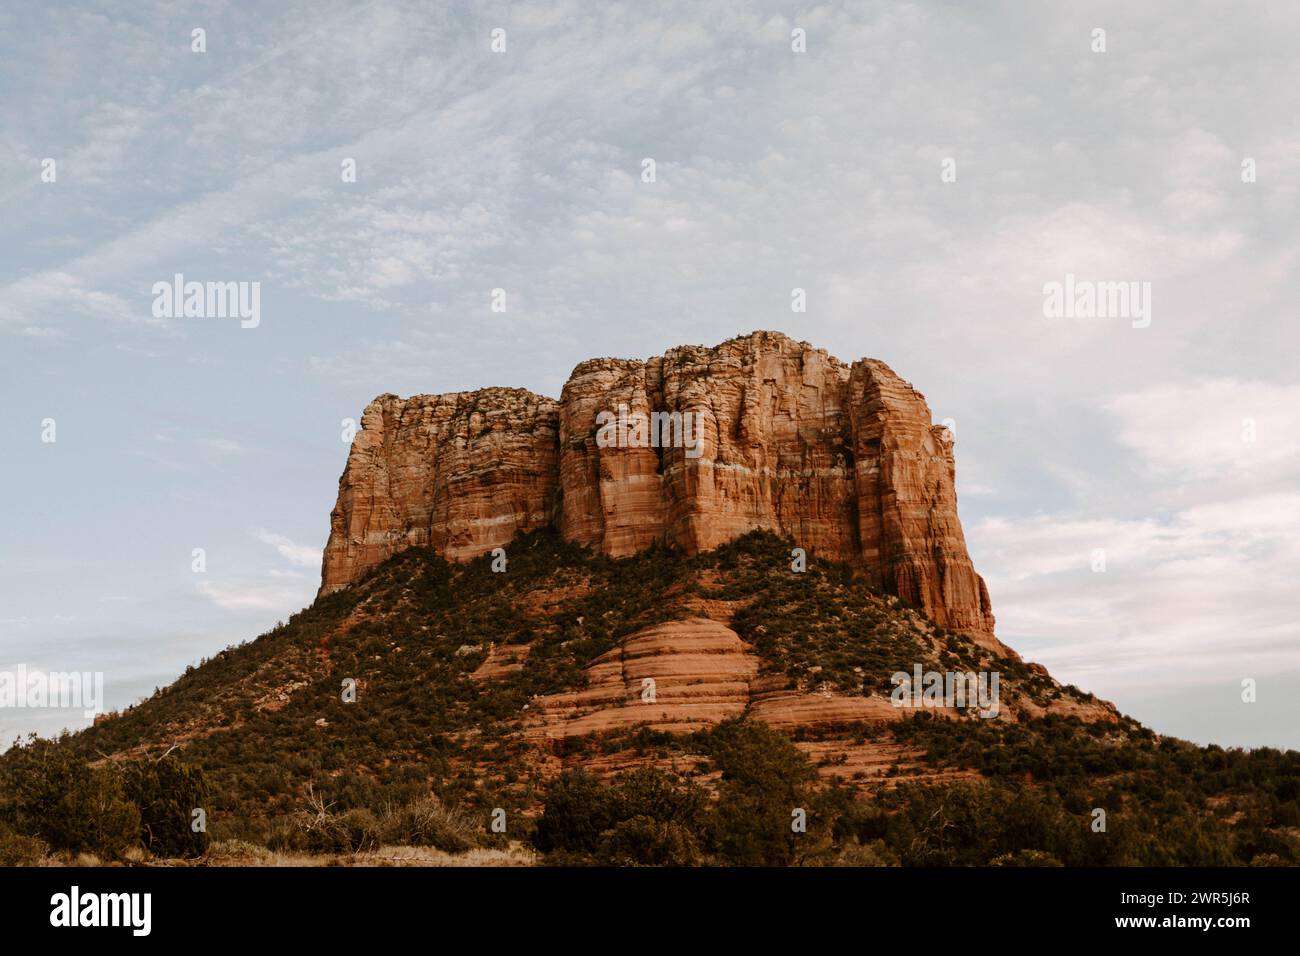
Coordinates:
[654,818]
[970,824]
[427,822]
[287,836]
[645,817]
[324,830]
[424,821]
[645,841]
[167,792]
[657,795]
[577,812]
[50,793]
[19,850]
[351,831]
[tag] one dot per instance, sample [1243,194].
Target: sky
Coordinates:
[1129,483]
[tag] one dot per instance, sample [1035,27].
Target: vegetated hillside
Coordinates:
[483,689]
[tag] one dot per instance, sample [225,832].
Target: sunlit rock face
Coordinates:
[692,448]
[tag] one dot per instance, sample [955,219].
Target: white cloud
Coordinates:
[300,554]
[1212,429]
[274,594]
[57,293]
[1200,593]
[279,591]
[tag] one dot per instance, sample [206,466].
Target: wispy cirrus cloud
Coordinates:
[301,555]
[273,593]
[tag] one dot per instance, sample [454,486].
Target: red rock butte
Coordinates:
[841,458]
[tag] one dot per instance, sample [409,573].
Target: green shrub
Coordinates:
[645,817]
[645,841]
[659,796]
[19,850]
[50,793]
[765,779]
[970,824]
[577,812]
[166,793]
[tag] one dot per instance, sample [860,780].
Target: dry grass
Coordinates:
[239,853]
[234,853]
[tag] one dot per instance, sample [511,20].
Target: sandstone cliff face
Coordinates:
[775,450]
[844,459]
[910,534]
[462,473]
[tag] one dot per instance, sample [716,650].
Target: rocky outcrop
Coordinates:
[461,473]
[683,676]
[758,432]
[680,676]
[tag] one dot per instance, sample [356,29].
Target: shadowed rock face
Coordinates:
[842,458]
